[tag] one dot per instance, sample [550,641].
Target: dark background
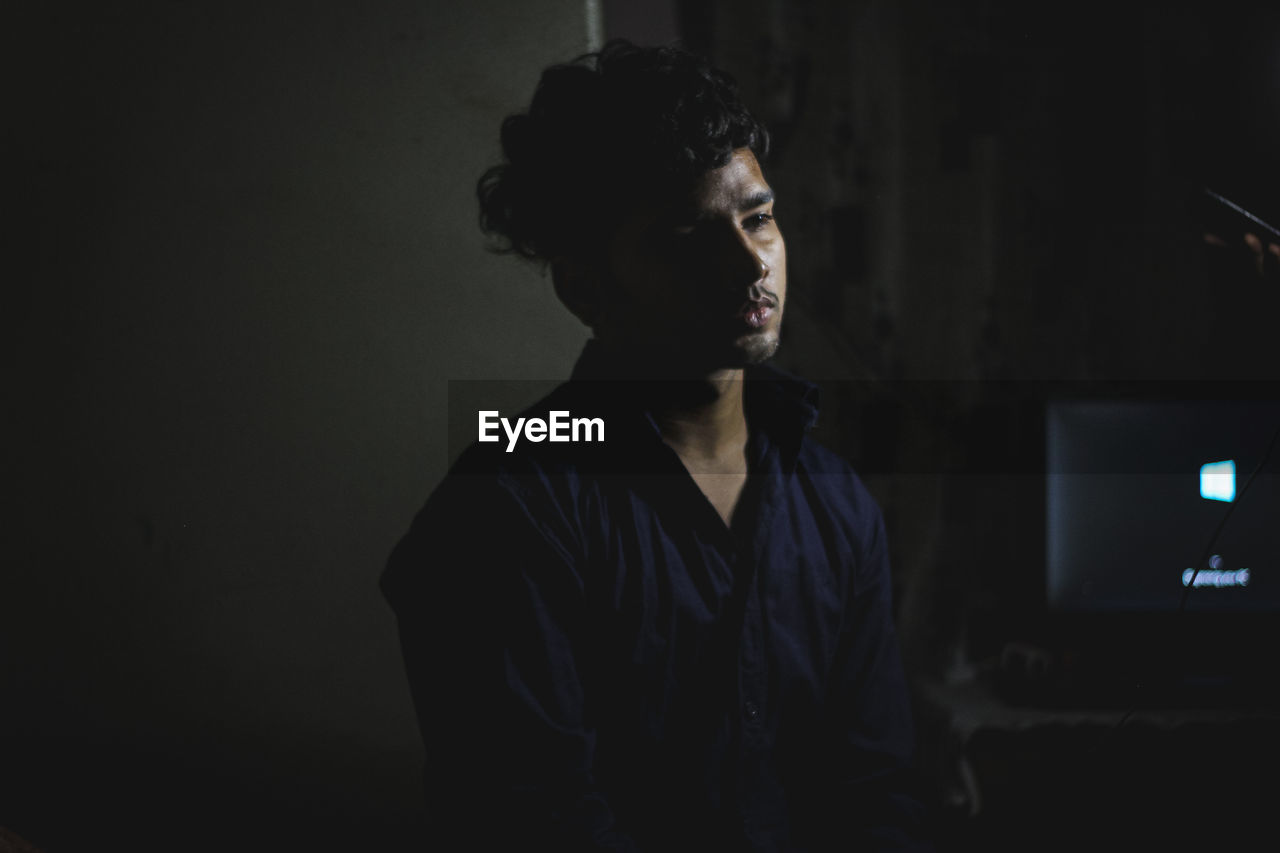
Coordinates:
[243,266]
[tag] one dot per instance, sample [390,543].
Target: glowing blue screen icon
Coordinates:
[1218,481]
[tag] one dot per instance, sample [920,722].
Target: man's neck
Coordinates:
[704,419]
[701,416]
[708,431]
[699,412]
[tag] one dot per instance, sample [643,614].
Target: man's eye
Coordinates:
[757,221]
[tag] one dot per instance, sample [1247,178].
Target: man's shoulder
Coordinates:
[818,460]
[499,502]
[839,489]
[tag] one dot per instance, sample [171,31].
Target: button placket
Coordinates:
[752,658]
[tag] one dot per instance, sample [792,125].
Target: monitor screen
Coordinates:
[1146,499]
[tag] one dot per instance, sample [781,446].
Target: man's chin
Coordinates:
[746,351]
[757,349]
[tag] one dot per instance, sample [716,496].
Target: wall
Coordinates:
[247,267]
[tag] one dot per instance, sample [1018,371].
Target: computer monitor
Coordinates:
[1137,490]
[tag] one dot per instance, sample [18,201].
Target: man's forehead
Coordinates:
[737,184]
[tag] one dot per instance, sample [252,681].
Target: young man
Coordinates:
[680,637]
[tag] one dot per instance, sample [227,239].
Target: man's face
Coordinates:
[698,282]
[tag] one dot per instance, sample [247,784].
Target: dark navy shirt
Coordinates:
[599,663]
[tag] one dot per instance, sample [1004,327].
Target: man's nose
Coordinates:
[737,260]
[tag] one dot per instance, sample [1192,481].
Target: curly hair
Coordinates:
[603,130]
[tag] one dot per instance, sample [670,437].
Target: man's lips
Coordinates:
[756,312]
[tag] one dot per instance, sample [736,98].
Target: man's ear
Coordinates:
[577,283]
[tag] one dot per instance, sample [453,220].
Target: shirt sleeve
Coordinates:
[878,799]
[491,615]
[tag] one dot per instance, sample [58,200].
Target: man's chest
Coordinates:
[677,599]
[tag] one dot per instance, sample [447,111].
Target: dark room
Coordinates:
[307,550]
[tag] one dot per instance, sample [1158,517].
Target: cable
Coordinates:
[1247,215]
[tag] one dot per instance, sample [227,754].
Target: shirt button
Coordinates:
[753,711]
